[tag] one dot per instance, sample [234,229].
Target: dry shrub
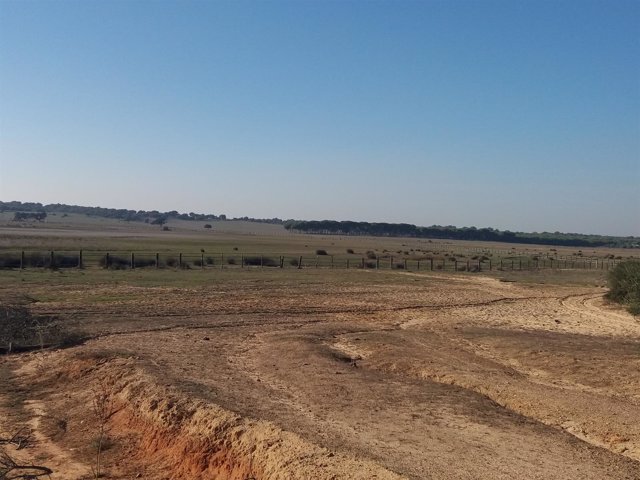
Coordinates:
[624,285]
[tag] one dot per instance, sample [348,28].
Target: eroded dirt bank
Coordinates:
[405,376]
[154,430]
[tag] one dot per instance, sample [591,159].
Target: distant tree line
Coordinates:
[149,216]
[332,227]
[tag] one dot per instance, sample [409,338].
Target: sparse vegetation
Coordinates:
[261,261]
[103,409]
[22,216]
[20,330]
[624,285]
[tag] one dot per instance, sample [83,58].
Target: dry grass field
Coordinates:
[318,373]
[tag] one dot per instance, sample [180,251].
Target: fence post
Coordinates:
[347,264]
[281,261]
[51,261]
[22,260]
[468,266]
[300,262]
[377,263]
[106,260]
[316,261]
[261,261]
[331,261]
[501,267]
[157,260]
[511,265]
[455,265]
[520,264]
[490,265]
[405,263]
[391,262]
[418,267]
[221,261]
[180,260]
[363,263]
[133,262]
[479,265]
[431,263]
[80,259]
[202,260]
[242,261]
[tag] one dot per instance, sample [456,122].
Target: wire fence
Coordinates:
[121,260]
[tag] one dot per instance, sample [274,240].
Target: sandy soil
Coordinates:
[335,377]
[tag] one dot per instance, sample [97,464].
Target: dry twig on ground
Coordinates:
[21,439]
[11,470]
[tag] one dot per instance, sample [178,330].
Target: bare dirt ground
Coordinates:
[333,375]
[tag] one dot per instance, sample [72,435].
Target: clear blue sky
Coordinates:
[510,114]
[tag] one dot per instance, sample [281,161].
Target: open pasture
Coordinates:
[241,373]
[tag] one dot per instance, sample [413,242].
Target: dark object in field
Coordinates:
[261,261]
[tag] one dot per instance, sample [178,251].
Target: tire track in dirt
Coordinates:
[308,310]
[608,321]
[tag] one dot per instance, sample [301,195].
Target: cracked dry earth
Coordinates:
[336,376]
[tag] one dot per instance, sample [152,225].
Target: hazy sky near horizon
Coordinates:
[521,115]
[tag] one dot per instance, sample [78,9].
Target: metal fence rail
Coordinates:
[50,259]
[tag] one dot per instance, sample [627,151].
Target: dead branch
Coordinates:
[10,470]
[21,439]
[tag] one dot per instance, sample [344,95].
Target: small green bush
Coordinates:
[9,261]
[264,261]
[624,285]
[144,262]
[117,263]
[171,262]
